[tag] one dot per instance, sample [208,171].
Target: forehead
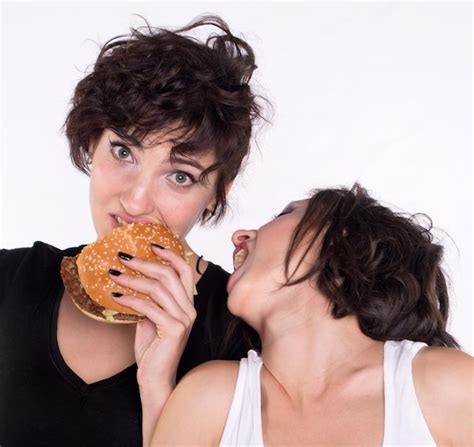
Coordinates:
[303,203]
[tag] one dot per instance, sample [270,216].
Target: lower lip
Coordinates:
[115,224]
[232,279]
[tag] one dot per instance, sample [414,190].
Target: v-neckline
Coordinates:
[63,368]
[68,374]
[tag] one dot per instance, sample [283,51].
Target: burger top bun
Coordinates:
[95,260]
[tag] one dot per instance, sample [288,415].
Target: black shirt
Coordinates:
[42,401]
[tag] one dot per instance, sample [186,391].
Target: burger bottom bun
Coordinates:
[84,303]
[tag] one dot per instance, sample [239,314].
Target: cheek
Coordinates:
[104,180]
[181,214]
[269,266]
[251,295]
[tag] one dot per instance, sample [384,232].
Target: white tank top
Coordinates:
[404,423]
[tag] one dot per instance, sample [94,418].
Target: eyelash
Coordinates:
[281,214]
[117,144]
[187,174]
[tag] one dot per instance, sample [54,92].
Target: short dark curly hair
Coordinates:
[379,265]
[159,80]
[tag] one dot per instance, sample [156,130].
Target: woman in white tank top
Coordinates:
[351,305]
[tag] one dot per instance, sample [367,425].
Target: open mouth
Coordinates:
[121,221]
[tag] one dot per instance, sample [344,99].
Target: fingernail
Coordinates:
[158,246]
[125,256]
[114,272]
[117,294]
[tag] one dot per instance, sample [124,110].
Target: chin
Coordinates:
[102,231]
[237,302]
[234,303]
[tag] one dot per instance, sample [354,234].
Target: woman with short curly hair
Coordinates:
[162,126]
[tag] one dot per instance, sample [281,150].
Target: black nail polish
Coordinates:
[114,272]
[117,294]
[157,245]
[125,256]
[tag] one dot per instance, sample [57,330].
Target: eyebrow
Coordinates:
[187,161]
[173,159]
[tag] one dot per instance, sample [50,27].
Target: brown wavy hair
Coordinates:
[196,92]
[378,265]
[371,262]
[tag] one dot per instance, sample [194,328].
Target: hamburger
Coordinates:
[86,276]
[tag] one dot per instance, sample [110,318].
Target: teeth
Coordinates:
[120,221]
[239,258]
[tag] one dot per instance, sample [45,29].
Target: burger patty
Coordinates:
[79,296]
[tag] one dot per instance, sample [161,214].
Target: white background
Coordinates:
[378,93]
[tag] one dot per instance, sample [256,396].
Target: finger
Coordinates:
[148,309]
[183,269]
[167,324]
[159,294]
[167,275]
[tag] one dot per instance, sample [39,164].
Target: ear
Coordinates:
[228,187]
[92,148]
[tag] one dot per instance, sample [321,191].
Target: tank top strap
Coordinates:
[404,423]
[244,421]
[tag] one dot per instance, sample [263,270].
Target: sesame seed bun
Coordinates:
[86,276]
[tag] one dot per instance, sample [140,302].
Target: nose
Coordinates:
[240,236]
[138,198]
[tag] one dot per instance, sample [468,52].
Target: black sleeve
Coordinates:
[10,263]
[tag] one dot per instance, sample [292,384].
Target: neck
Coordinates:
[192,258]
[307,350]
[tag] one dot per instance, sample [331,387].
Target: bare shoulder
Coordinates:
[223,374]
[444,384]
[212,383]
[197,409]
[437,368]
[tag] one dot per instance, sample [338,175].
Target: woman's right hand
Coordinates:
[161,337]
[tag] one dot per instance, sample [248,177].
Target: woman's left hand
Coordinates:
[161,337]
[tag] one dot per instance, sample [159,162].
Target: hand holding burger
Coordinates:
[126,277]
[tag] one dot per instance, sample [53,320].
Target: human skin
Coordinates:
[145,186]
[315,367]
[141,184]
